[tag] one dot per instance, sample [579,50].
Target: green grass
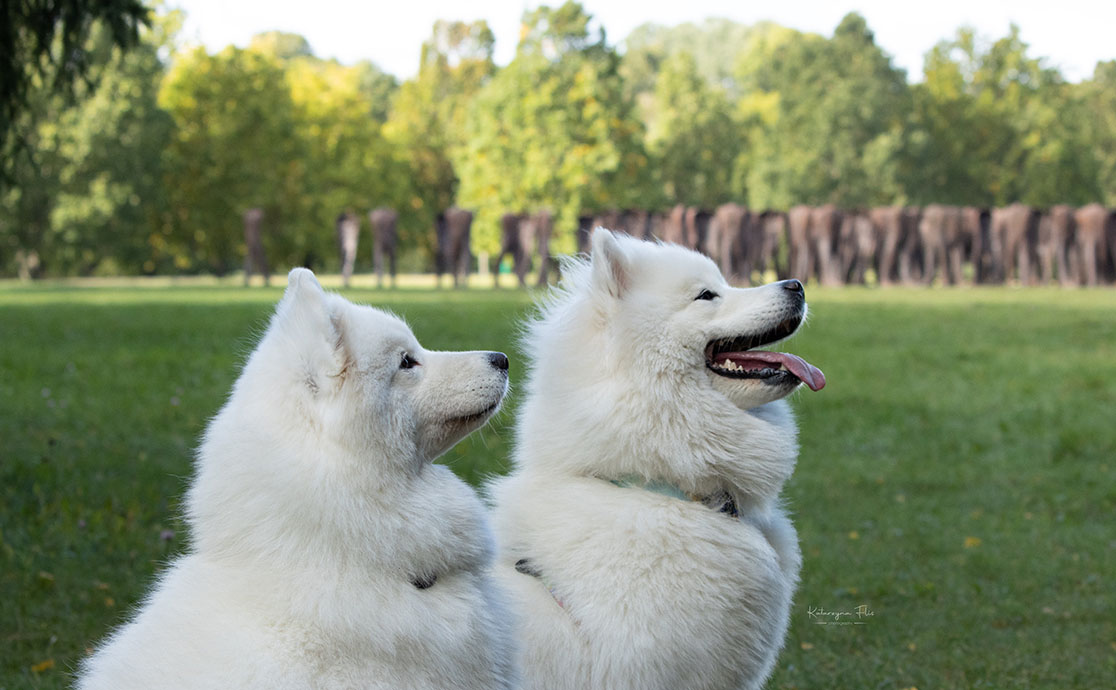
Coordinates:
[957,475]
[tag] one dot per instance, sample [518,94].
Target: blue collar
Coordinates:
[722,502]
[655,486]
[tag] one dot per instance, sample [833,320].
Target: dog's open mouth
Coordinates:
[736,358]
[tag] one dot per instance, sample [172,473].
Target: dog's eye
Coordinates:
[708,295]
[407,362]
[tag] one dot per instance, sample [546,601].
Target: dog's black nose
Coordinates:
[793,285]
[498,360]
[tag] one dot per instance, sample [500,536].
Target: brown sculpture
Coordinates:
[348,233]
[255,259]
[453,227]
[385,236]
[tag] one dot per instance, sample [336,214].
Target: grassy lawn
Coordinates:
[957,477]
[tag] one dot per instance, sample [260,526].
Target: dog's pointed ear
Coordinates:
[303,298]
[316,319]
[611,273]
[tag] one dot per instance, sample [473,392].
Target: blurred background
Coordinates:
[136,135]
[956,476]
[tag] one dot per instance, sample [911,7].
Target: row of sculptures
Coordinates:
[907,245]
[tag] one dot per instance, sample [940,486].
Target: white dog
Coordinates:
[641,532]
[328,552]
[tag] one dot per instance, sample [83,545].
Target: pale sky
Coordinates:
[1072,34]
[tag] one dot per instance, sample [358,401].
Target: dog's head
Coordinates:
[336,415]
[356,377]
[671,312]
[647,362]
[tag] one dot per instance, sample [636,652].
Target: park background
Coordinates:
[147,163]
[957,474]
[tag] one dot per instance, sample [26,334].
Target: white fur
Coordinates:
[314,508]
[657,592]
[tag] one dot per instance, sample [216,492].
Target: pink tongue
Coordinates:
[755,359]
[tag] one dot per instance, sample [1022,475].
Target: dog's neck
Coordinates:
[722,502]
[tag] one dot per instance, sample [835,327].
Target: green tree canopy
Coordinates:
[693,140]
[715,46]
[90,196]
[281,45]
[428,119]
[149,166]
[235,147]
[345,161]
[834,100]
[47,43]
[1099,96]
[993,125]
[552,130]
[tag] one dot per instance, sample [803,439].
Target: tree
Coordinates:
[552,130]
[693,139]
[953,141]
[281,45]
[995,125]
[715,46]
[274,127]
[45,43]
[27,199]
[112,145]
[757,112]
[379,88]
[428,120]
[1061,164]
[1099,98]
[235,147]
[1047,159]
[835,99]
[89,193]
[346,162]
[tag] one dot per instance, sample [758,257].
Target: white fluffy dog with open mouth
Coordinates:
[641,532]
[328,551]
